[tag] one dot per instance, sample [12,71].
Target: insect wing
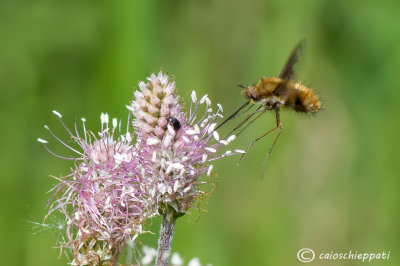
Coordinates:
[287,72]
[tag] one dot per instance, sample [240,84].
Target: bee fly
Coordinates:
[274,93]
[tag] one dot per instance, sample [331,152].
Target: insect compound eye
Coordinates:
[174,123]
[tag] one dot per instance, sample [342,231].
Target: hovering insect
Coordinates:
[275,93]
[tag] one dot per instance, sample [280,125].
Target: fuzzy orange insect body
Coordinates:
[275,93]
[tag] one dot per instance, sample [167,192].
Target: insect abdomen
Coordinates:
[303,100]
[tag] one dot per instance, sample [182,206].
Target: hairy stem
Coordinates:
[165,240]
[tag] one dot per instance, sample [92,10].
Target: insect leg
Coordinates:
[232,115]
[262,112]
[245,111]
[278,125]
[244,121]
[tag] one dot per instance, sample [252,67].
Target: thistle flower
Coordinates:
[101,197]
[115,185]
[176,147]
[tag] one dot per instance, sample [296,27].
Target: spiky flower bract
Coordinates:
[101,197]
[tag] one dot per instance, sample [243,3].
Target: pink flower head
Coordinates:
[116,185]
[173,162]
[101,197]
[154,104]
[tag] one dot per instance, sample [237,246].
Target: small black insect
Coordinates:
[174,123]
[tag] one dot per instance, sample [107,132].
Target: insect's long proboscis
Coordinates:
[232,115]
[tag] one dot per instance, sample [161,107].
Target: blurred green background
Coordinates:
[332,182]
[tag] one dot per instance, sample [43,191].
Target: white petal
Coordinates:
[57,113]
[216,135]
[149,255]
[42,140]
[212,150]
[169,168]
[240,151]
[211,128]
[118,158]
[191,132]
[231,138]
[153,159]
[224,142]
[177,166]
[152,141]
[83,119]
[149,251]
[176,260]
[209,170]
[167,140]
[194,262]
[176,185]
[220,107]
[147,260]
[128,137]
[171,130]
[134,237]
[203,99]
[130,108]
[197,129]
[143,172]
[194,97]
[114,122]
[185,139]
[205,121]
[162,188]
